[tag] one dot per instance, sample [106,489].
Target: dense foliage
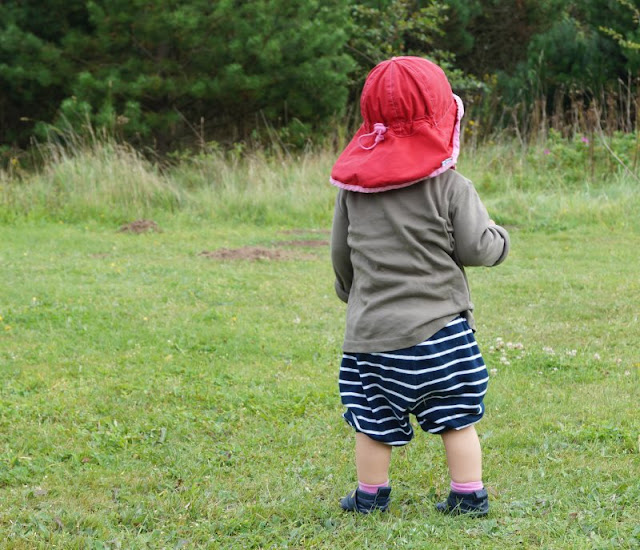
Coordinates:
[177,72]
[172,68]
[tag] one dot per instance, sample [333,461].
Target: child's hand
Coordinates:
[491,222]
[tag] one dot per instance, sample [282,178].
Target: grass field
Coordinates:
[154,396]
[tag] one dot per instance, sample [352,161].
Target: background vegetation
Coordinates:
[180,74]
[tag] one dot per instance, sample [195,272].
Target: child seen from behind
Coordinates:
[405,226]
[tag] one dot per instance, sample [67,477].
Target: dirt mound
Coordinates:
[140,226]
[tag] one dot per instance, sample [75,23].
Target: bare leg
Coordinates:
[464,455]
[372,460]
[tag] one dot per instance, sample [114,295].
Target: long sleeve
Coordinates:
[477,242]
[340,251]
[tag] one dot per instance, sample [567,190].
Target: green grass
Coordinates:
[152,397]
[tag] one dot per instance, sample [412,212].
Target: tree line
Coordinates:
[175,73]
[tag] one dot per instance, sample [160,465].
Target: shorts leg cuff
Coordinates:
[395,439]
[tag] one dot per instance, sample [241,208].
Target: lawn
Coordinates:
[157,397]
[178,388]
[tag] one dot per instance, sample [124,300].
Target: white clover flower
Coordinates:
[596,356]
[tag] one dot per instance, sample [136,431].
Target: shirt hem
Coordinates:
[418,336]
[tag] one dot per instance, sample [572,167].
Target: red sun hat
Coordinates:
[411,128]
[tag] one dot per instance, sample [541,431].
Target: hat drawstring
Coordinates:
[379,130]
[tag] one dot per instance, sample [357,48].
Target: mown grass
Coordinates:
[153,397]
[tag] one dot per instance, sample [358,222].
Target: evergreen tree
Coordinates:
[488,36]
[34,72]
[170,69]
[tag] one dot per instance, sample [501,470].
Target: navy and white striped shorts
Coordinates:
[441,381]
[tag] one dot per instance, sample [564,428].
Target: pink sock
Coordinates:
[466,488]
[371,489]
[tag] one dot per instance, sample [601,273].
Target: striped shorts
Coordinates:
[441,381]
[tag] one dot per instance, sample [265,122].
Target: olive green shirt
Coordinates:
[398,258]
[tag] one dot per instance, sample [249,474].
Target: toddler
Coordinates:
[405,224]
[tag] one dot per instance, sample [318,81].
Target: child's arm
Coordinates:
[340,251]
[478,240]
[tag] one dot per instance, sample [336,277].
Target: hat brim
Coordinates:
[401,159]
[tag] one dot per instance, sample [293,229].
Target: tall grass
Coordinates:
[538,110]
[558,183]
[554,184]
[257,187]
[99,179]
[111,181]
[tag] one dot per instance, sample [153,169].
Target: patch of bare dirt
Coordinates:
[246,253]
[140,226]
[277,251]
[305,232]
[303,243]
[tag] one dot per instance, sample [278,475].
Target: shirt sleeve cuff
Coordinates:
[342,294]
[507,243]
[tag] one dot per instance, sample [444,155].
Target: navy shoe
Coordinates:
[473,504]
[359,501]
